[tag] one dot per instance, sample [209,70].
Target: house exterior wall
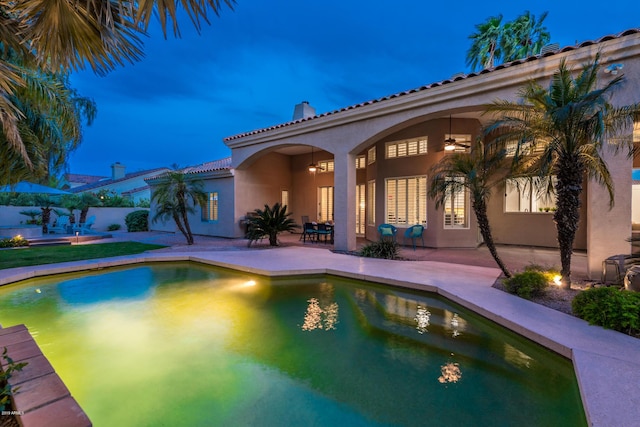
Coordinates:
[223,184]
[260,184]
[352,130]
[529,228]
[435,235]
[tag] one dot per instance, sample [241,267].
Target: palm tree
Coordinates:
[50,126]
[45,202]
[524,37]
[270,222]
[560,131]
[54,36]
[477,172]
[176,197]
[485,48]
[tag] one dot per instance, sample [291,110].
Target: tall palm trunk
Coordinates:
[480,209]
[182,203]
[46,217]
[567,216]
[178,222]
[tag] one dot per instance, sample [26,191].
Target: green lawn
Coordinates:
[24,257]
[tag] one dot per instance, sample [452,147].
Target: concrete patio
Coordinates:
[606,362]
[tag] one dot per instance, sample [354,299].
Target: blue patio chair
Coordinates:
[325,231]
[387,231]
[309,230]
[62,225]
[305,220]
[414,232]
[86,227]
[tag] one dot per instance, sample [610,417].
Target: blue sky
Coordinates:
[250,67]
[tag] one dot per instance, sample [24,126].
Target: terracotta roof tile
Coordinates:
[211,166]
[436,84]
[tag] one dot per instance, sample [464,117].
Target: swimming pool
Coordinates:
[185,344]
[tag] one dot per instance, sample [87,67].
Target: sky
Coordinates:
[251,66]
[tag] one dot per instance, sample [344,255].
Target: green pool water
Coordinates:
[191,345]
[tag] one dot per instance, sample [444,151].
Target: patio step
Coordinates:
[49,242]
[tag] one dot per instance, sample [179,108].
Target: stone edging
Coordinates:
[42,398]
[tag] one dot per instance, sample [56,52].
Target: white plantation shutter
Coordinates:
[371,203]
[407,201]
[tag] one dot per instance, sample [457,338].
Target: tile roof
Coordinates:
[110,181]
[136,190]
[455,78]
[211,166]
[87,179]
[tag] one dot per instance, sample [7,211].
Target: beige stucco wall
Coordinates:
[261,184]
[435,234]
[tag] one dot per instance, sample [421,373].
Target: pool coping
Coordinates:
[606,362]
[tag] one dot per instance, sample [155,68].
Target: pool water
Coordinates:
[191,345]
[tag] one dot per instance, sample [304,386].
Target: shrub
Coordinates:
[386,249]
[113,227]
[143,203]
[137,221]
[13,242]
[610,308]
[6,391]
[527,284]
[269,222]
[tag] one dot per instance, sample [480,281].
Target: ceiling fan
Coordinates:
[450,144]
[313,167]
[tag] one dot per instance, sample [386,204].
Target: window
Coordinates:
[284,197]
[371,202]
[406,201]
[456,206]
[371,155]
[210,209]
[412,147]
[325,204]
[525,148]
[528,195]
[360,162]
[325,166]
[360,208]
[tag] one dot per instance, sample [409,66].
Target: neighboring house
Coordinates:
[372,162]
[128,185]
[214,219]
[74,180]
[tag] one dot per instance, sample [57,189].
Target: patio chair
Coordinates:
[325,231]
[414,232]
[309,230]
[62,225]
[86,227]
[305,220]
[387,231]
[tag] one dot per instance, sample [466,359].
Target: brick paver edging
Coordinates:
[42,398]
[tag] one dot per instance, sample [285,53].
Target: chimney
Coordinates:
[117,171]
[303,110]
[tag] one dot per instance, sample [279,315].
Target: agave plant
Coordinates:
[269,223]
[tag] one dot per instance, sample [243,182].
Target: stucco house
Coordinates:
[130,185]
[373,159]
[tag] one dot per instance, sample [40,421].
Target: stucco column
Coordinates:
[608,229]
[345,201]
